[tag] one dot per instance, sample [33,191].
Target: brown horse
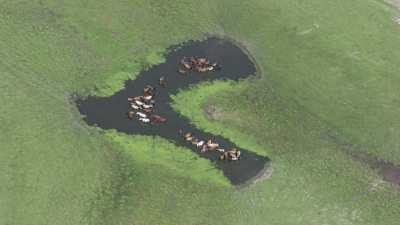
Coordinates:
[195,141]
[188,136]
[135,98]
[182,71]
[186,65]
[233,154]
[202,61]
[193,61]
[134,106]
[149,110]
[148,90]
[157,119]
[205,148]
[211,145]
[131,114]
[223,156]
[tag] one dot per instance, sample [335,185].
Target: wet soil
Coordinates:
[110,112]
[387,170]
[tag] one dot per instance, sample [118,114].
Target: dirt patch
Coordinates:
[395,3]
[389,171]
[213,113]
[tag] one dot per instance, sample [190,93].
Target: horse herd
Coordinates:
[231,154]
[199,65]
[142,108]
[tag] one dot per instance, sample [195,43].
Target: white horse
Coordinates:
[144,120]
[142,115]
[200,144]
[148,97]
[139,103]
[134,106]
[147,106]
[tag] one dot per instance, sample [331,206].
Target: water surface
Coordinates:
[110,112]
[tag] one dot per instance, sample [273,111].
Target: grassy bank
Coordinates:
[160,153]
[331,58]
[304,161]
[197,98]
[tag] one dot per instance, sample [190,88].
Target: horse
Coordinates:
[157,119]
[211,145]
[186,65]
[147,106]
[134,106]
[142,115]
[209,68]
[204,148]
[223,156]
[201,69]
[147,97]
[234,158]
[193,61]
[148,90]
[162,82]
[144,120]
[188,136]
[195,141]
[233,154]
[131,115]
[238,153]
[139,103]
[216,66]
[203,61]
[200,144]
[150,110]
[182,71]
[220,150]
[135,98]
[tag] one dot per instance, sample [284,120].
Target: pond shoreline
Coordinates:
[109,112]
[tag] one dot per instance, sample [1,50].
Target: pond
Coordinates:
[110,112]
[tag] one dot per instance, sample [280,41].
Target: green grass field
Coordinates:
[327,67]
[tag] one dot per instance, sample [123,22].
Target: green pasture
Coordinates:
[329,74]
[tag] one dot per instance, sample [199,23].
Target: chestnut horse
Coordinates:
[157,119]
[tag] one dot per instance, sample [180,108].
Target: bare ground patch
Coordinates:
[395,3]
[215,113]
[388,171]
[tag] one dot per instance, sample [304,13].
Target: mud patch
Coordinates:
[213,113]
[387,170]
[395,3]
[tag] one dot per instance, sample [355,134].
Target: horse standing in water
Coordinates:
[162,82]
[157,119]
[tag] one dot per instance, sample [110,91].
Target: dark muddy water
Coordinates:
[110,112]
